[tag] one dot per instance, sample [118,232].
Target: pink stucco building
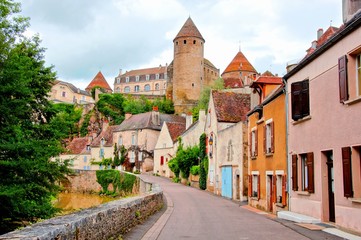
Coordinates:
[324,134]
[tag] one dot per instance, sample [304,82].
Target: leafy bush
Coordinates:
[195,170]
[173,166]
[122,182]
[203,167]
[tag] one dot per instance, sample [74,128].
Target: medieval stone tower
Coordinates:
[188,67]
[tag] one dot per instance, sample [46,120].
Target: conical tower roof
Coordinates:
[189,29]
[98,81]
[239,63]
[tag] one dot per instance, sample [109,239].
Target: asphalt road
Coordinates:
[197,214]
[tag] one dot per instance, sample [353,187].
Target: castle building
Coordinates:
[148,81]
[182,81]
[100,82]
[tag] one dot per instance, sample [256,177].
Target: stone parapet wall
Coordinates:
[105,221]
[82,181]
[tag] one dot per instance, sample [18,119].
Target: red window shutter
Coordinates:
[250,185]
[256,142]
[296,100]
[272,137]
[274,190]
[347,172]
[342,77]
[259,186]
[311,175]
[265,138]
[161,160]
[250,144]
[284,195]
[294,173]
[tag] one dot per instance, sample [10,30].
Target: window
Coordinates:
[165,75]
[306,170]
[102,141]
[358,74]
[157,76]
[194,41]
[254,185]
[88,147]
[185,41]
[140,156]
[147,88]
[268,140]
[157,86]
[120,141]
[253,142]
[133,139]
[118,80]
[127,79]
[161,160]
[117,90]
[137,78]
[132,157]
[280,185]
[101,153]
[63,94]
[230,151]
[127,89]
[147,77]
[136,88]
[85,159]
[300,99]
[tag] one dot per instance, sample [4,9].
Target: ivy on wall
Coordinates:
[122,182]
[203,166]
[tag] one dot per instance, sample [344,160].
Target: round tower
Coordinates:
[188,65]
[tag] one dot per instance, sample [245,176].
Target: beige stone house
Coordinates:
[64,92]
[139,134]
[78,153]
[226,130]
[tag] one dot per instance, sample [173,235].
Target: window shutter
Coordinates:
[250,144]
[311,183]
[272,137]
[296,89]
[265,138]
[250,185]
[161,160]
[347,172]
[305,99]
[342,77]
[294,173]
[259,186]
[284,182]
[256,142]
[274,190]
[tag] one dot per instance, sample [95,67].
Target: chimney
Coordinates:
[349,9]
[319,33]
[120,71]
[189,120]
[128,115]
[314,44]
[155,116]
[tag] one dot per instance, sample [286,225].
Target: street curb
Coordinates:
[154,231]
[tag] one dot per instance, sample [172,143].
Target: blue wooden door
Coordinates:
[227,181]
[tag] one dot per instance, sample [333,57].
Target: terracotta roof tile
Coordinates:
[323,39]
[77,145]
[98,81]
[175,129]
[145,71]
[71,86]
[239,63]
[189,29]
[233,82]
[267,80]
[231,106]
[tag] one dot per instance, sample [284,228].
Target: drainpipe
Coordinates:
[287,155]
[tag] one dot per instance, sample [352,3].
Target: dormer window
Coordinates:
[102,141]
[118,80]
[126,79]
[157,76]
[147,77]
[137,78]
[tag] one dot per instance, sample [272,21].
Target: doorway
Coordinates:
[269,192]
[331,186]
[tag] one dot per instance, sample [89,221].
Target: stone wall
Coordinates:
[105,221]
[83,181]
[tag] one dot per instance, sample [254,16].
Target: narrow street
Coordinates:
[196,214]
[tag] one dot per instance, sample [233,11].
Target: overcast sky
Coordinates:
[83,37]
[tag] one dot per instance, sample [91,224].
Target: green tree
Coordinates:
[203,166]
[111,106]
[27,141]
[204,97]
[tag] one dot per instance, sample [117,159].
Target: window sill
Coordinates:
[301,120]
[353,101]
[303,193]
[280,205]
[254,198]
[253,157]
[269,154]
[260,121]
[355,200]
